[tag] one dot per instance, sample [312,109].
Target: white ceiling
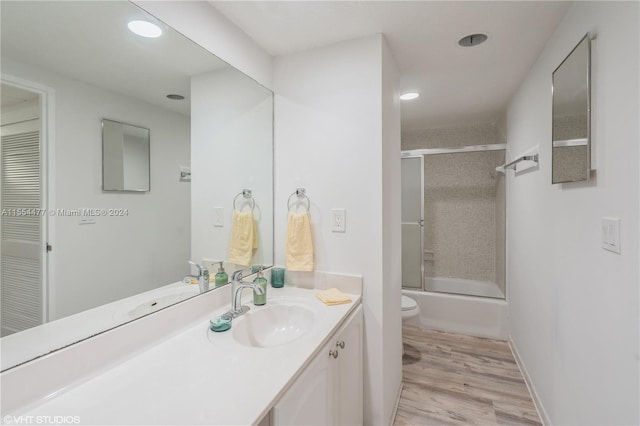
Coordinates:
[457,85]
[89,41]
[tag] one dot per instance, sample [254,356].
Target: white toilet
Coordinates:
[410,308]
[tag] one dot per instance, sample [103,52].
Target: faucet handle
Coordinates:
[239,274]
[201,269]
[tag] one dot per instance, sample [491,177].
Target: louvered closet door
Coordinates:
[21,264]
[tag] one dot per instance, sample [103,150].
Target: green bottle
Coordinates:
[262,282]
[221,277]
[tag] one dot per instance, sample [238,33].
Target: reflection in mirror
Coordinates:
[571,116]
[77,260]
[125,157]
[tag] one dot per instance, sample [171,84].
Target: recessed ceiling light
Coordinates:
[175,97]
[408,96]
[472,40]
[145,29]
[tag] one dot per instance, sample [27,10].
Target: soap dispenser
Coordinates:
[262,282]
[221,277]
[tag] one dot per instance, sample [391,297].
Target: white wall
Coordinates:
[118,256]
[337,135]
[391,231]
[574,306]
[202,23]
[231,149]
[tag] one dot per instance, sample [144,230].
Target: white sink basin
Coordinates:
[278,323]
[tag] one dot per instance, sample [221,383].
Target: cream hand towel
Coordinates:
[333,296]
[255,233]
[299,244]
[244,238]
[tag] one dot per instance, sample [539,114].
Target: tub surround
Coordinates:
[464,287]
[157,360]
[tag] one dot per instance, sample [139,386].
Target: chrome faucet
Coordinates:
[202,277]
[238,285]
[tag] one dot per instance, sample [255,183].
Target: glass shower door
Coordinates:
[412,222]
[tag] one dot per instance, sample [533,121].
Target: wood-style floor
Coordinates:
[453,379]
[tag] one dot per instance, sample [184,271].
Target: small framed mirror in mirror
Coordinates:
[571,133]
[125,157]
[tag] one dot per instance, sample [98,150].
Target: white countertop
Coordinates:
[42,339]
[197,377]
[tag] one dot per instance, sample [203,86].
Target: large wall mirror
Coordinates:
[76,259]
[571,132]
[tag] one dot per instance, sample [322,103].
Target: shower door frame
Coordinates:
[421,222]
[420,153]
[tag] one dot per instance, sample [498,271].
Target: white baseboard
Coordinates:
[395,408]
[544,418]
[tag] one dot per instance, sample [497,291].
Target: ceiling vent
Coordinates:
[472,40]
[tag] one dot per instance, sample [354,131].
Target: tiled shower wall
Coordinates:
[464,204]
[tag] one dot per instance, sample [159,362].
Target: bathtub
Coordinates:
[475,316]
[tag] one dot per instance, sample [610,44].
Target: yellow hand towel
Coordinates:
[299,244]
[244,238]
[255,233]
[333,296]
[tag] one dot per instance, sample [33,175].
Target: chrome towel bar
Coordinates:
[512,164]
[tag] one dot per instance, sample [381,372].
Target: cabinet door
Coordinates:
[347,373]
[308,401]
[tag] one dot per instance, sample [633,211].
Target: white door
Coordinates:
[22,214]
[412,222]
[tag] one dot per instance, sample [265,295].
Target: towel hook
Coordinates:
[300,193]
[248,195]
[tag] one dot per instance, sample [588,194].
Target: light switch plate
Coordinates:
[611,234]
[218,217]
[338,220]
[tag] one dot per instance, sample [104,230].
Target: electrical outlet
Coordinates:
[338,220]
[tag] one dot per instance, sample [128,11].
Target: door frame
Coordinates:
[47,182]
